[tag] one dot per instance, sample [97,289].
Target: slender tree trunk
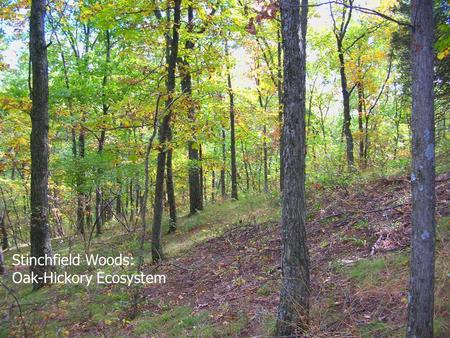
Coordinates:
[280,103]
[202,176]
[157,253]
[293,310]
[266,170]
[5,243]
[171,188]
[101,142]
[360,122]
[423,241]
[346,103]
[195,192]
[39,230]
[82,199]
[213,185]
[234,186]
[244,159]
[366,140]
[224,163]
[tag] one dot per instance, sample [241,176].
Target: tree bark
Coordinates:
[293,309]
[361,113]
[234,187]
[265,159]
[340,35]
[280,103]
[346,104]
[170,187]
[157,253]
[421,286]
[195,192]
[40,229]
[224,163]
[5,243]
[101,142]
[81,207]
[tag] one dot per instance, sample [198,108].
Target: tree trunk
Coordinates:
[293,309]
[157,253]
[213,185]
[346,103]
[195,192]
[234,188]
[266,170]
[101,142]
[224,163]
[170,187]
[5,243]
[247,174]
[421,287]
[40,230]
[360,123]
[81,198]
[280,104]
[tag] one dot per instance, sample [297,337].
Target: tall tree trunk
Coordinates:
[81,207]
[213,185]
[360,122]
[293,309]
[202,176]
[195,192]
[39,230]
[224,163]
[340,31]
[157,252]
[170,187]
[366,140]
[280,103]
[346,103]
[234,186]
[101,141]
[265,159]
[423,241]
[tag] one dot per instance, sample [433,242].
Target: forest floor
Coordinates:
[223,272]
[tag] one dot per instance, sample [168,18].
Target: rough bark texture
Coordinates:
[280,103]
[294,300]
[157,253]
[421,288]
[40,231]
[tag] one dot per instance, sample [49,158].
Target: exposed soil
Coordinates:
[238,274]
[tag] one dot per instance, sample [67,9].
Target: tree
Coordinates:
[40,230]
[294,300]
[99,212]
[234,187]
[164,134]
[195,191]
[339,33]
[421,287]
